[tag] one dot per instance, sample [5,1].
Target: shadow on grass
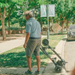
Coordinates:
[19,59]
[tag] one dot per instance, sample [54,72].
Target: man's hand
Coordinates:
[24,45]
[27,38]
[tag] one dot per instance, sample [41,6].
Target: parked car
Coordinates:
[71,33]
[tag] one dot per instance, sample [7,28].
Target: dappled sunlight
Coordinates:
[16,58]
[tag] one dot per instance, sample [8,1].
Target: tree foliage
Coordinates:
[12,11]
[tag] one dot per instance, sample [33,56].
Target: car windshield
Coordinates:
[72,27]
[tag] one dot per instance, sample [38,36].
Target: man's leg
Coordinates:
[38,62]
[29,62]
[29,51]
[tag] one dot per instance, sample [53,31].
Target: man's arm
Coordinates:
[26,40]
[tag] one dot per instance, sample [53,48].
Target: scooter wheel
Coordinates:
[58,69]
[45,42]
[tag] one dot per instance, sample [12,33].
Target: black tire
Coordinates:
[45,42]
[58,69]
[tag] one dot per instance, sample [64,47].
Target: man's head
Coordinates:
[28,15]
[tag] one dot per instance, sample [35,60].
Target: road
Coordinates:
[70,55]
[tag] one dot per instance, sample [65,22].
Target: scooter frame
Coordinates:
[58,64]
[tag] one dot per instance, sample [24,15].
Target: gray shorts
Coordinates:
[33,46]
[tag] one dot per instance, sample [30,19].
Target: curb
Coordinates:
[60,48]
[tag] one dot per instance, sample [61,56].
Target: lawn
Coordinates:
[16,57]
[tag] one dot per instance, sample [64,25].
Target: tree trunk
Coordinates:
[73,22]
[3,28]
[62,22]
[51,21]
[62,27]
[67,25]
[2,22]
[25,6]
[9,23]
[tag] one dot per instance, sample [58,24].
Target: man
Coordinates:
[32,41]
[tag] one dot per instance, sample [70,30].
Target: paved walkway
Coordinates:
[8,45]
[17,71]
[70,55]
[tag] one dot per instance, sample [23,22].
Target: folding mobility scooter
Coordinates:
[59,64]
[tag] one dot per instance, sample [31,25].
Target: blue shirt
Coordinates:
[33,27]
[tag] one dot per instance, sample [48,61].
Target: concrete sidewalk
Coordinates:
[8,45]
[17,71]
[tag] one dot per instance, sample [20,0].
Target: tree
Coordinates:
[34,6]
[3,5]
[73,11]
[11,8]
[63,10]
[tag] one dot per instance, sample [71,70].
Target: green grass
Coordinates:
[54,39]
[16,57]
